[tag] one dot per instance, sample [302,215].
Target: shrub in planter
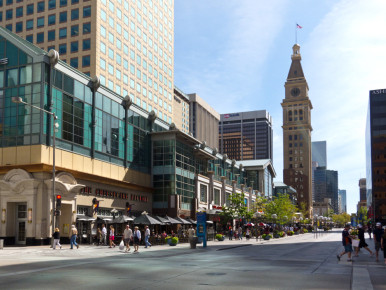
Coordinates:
[220,237]
[290,233]
[305,231]
[174,240]
[168,240]
[281,234]
[266,236]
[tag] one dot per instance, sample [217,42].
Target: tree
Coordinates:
[362,215]
[341,219]
[303,209]
[282,206]
[236,208]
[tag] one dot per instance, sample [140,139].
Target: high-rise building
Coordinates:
[181,110]
[362,189]
[203,121]
[246,135]
[326,186]
[129,45]
[319,152]
[297,129]
[343,200]
[376,155]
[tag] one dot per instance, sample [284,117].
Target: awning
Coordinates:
[145,219]
[82,217]
[214,211]
[122,219]
[183,221]
[192,221]
[105,218]
[209,222]
[162,220]
[173,221]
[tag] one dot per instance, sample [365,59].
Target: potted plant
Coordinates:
[174,241]
[305,231]
[220,237]
[281,234]
[276,234]
[290,233]
[168,240]
[266,236]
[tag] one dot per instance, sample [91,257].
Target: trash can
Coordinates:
[193,242]
[1,244]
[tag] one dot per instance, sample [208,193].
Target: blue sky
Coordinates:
[236,55]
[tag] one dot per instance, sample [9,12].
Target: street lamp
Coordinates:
[19,100]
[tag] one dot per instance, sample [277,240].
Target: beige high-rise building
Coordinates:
[297,132]
[181,110]
[204,121]
[128,44]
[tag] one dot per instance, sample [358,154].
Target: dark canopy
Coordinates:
[145,219]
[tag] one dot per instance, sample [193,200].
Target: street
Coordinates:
[297,262]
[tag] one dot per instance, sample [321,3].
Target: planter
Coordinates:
[267,238]
[193,242]
[221,239]
[296,233]
[276,236]
[171,244]
[169,241]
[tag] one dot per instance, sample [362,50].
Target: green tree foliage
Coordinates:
[282,206]
[341,219]
[362,215]
[236,208]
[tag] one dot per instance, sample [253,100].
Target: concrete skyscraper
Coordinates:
[129,45]
[297,132]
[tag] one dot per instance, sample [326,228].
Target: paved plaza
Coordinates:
[298,262]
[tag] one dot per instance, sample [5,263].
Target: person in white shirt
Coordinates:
[127,235]
[136,239]
[147,236]
[104,235]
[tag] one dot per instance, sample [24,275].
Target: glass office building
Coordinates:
[376,155]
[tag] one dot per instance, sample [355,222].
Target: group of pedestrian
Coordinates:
[379,242]
[73,235]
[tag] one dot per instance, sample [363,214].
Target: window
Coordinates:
[86,44]
[111,53]
[74,1]
[51,35]
[63,17]
[19,27]
[40,6]
[102,64]
[87,11]
[74,62]
[29,24]
[111,69]
[111,37]
[86,61]
[30,38]
[74,46]
[75,30]
[9,14]
[63,32]
[19,11]
[40,22]
[103,31]
[103,47]
[63,3]
[40,37]
[62,48]
[51,4]
[86,28]
[75,14]
[51,19]
[30,9]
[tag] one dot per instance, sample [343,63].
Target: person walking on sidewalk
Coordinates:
[370,230]
[104,235]
[127,235]
[378,234]
[112,237]
[137,239]
[56,236]
[147,236]
[362,242]
[74,233]
[347,244]
[240,233]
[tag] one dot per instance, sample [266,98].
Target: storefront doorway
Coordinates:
[21,223]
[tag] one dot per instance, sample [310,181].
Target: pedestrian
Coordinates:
[191,233]
[99,236]
[104,235]
[127,235]
[74,233]
[230,233]
[378,235]
[370,230]
[147,236]
[136,239]
[384,245]
[240,233]
[111,237]
[346,241]
[247,233]
[56,236]
[362,242]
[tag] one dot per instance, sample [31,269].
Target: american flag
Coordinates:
[4,61]
[298,26]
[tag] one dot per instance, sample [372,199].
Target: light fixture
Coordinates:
[30,215]
[3,216]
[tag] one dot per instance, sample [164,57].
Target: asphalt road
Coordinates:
[297,262]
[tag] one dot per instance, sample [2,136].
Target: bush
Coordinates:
[265,235]
[174,240]
[290,233]
[305,231]
[281,234]
[219,237]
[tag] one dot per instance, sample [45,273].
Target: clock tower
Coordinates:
[297,170]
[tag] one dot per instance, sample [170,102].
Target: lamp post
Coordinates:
[19,100]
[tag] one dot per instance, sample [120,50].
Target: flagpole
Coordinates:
[296,33]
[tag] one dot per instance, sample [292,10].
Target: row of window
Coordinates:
[19,12]
[41,5]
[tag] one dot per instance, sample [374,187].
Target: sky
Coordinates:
[236,55]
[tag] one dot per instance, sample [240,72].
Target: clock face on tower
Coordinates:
[295,92]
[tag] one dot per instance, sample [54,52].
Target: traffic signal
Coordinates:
[95,205]
[128,208]
[58,200]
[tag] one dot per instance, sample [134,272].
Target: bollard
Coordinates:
[1,244]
